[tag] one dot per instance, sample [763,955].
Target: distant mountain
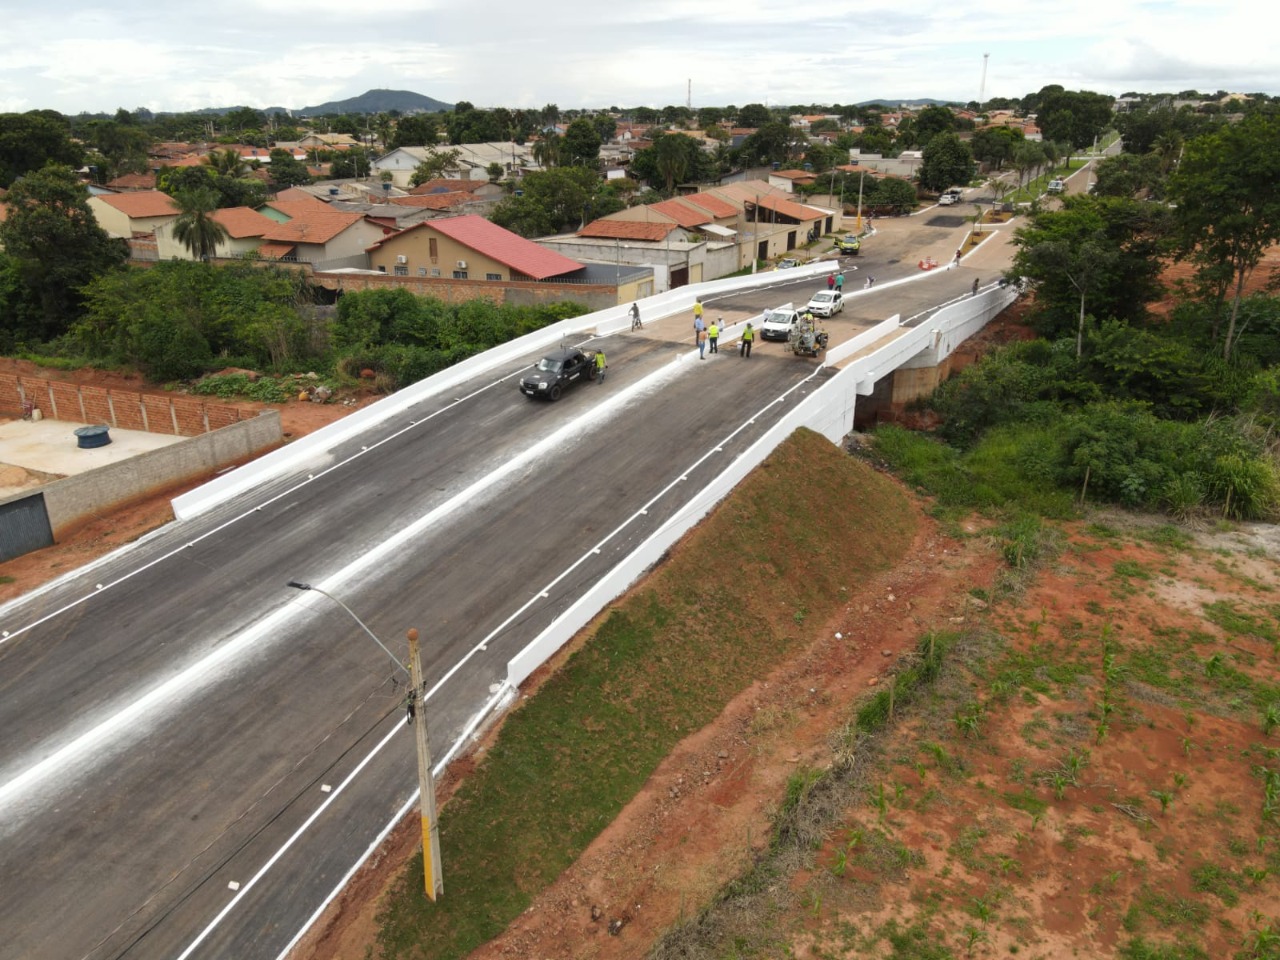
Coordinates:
[379,101]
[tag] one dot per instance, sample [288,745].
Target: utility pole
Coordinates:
[433,875]
[982,87]
[433,872]
[858,224]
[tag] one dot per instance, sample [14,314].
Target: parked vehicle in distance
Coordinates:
[850,245]
[1055,186]
[826,303]
[788,262]
[556,371]
[950,197]
[777,323]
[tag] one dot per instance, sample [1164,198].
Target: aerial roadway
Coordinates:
[193,755]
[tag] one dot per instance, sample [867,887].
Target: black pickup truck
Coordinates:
[556,371]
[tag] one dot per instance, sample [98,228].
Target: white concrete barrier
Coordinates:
[602,322]
[828,410]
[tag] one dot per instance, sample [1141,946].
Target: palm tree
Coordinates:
[672,160]
[195,227]
[227,163]
[549,150]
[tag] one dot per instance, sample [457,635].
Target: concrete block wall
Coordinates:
[74,500]
[524,293]
[126,409]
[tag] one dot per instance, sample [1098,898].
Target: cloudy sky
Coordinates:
[77,55]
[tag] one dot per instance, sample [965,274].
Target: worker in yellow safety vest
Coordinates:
[748,335]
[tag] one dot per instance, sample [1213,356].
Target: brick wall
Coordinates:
[593,296]
[126,409]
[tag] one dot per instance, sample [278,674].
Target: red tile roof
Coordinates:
[789,209]
[436,201]
[243,222]
[444,185]
[312,222]
[681,213]
[712,204]
[144,203]
[133,181]
[792,174]
[298,206]
[487,238]
[627,230]
[293,193]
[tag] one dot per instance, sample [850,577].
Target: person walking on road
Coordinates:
[956,261]
[713,334]
[702,344]
[840,282]
[975,287]
[744,347]
[831,281]
[601,366]
[697,315]
[635,317]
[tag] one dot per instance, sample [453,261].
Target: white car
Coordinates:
[1055,186]
[825,303]
[777,323]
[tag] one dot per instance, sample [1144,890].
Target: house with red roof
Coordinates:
[132,214]
[245,228]
[131,182]
[788,180]
[313,232]
[479,188]
[467,248]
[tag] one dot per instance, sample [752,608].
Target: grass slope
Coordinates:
[729,605]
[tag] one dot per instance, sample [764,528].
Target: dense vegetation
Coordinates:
[1174,412]
[181,319]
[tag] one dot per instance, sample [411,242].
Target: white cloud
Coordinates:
[81,56]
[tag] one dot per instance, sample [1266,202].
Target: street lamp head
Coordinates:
[298,585]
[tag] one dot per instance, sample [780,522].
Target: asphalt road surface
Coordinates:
[193,755]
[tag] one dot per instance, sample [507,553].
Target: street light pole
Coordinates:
[858,224]
[433,872]
[433,875]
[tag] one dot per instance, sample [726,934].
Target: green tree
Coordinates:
[771,143]
[933,120]
[1074,117]
[285,170]
[671,156]
[30,140]
[1227,195]
[606,126]
[754,115]
[122,147]
[549,151]
[416,130]
[1027,156]
[56,244]
[226,163]
[242,119]
[554,200]
[897,195]
[1094,256]
[195,228]
[582,142]
[995,145]
[947,161]
[437,164]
